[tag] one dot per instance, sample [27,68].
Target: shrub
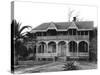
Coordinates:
[70,66]
[93,50]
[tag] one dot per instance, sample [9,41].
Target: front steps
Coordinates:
[61,59]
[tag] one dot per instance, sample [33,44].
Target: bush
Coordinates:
[70,66]
[93,50]
[22,52]
[93,46]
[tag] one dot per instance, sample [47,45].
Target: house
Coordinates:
[63,39]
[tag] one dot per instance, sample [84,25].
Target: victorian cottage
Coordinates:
[63,40]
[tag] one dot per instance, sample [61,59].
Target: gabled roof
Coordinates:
[87,25]
[73,25]
[52,26]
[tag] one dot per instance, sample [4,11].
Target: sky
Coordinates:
[34,13]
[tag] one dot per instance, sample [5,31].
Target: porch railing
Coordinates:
[51,55]
[79,54]
[46,55]
[73,37]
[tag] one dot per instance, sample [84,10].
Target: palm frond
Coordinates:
[24,27]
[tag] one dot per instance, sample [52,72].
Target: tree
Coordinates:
[17,38]
[73,13]
[18,30]
[93,46]
[30,41]
[70,12]
[30,36]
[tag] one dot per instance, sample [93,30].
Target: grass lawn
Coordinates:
[87,65]
[50,66]
[29,64]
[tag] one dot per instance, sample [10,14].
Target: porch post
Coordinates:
[77,47]
[77,43]
[57,48]
[57,52]
[66,48]
[68,52]
[36,51]
[46,50]
[88,51]
[46,47]
[88,46]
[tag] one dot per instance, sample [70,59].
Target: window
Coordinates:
[52,47]
[83,47]
[72,31]
[73,46]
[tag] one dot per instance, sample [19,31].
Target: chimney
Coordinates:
[74,19]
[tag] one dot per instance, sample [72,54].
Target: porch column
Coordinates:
[88,50]
[36,51]
[88,46]
[67,49]
[77,47]
[57,48]
[46,47]
[46,50]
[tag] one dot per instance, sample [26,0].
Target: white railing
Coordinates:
[83,54]
[46,55]
[79,54]
[79,37]
[51,55]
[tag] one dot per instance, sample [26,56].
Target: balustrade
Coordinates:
[73,37]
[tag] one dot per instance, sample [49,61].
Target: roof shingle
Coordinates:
[65,25]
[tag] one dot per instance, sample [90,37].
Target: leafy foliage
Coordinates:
[18,38]
[93,46]
[70,66]
[30,37]
[18,30]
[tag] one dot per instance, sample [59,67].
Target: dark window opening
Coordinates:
[73,46]
[83,47]
[52,32]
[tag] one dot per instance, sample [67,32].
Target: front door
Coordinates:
[63,50]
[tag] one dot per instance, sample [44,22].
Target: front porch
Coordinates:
[63,49]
